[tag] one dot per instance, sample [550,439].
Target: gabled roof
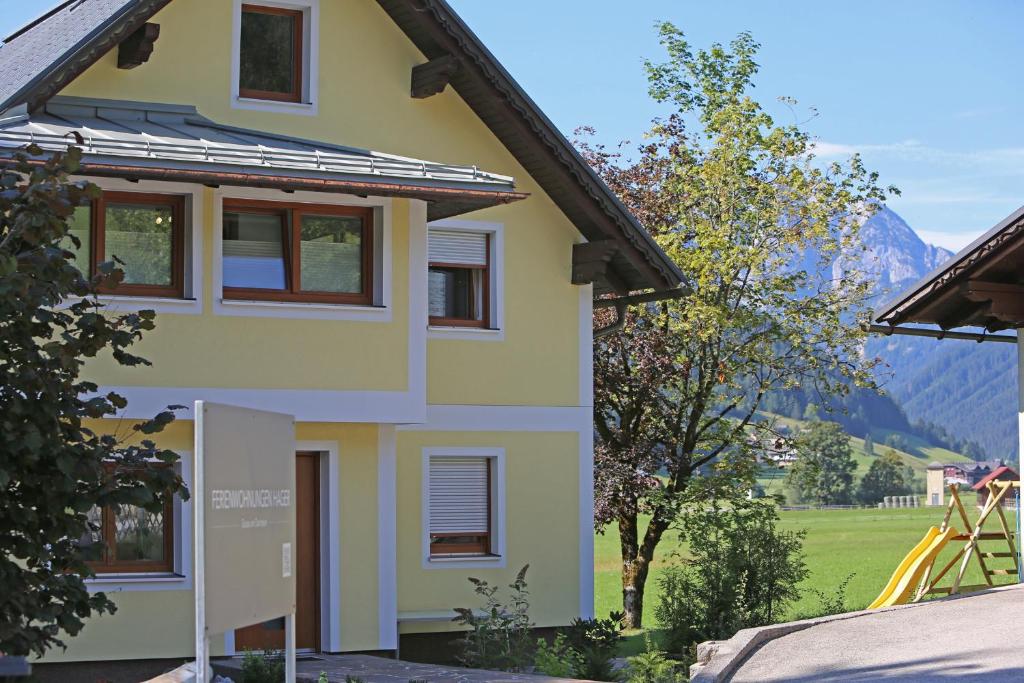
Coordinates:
[943,296]
[174,142]
[995,475]
[40,60]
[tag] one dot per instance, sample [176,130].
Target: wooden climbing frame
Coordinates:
[998,491]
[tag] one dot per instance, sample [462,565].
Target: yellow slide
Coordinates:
[908,574]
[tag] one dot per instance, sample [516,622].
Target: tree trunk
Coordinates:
[636,565]
[634,580]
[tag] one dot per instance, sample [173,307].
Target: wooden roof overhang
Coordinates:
[982,286]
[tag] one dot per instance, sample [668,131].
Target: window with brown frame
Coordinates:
[271,54]
[145,232]
[130,539]
[459,278]
[460,505]
[297,252]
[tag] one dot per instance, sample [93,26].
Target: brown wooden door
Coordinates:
[270,634]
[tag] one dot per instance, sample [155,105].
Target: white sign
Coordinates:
[244,497]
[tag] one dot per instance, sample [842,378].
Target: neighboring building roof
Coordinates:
[959,292]
[1000,473]
[56,48]
[175,142]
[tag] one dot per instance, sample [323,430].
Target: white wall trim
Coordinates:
[192,303]
[499,558]
[417,387]
[455,418]
[181,579]
[387,538]
[586,346]
[497,285]
[381,313]
[586,517]
[586,455]
[306,405]
[310,60]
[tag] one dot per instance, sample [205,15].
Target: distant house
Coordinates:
[1002,473]
[940,476]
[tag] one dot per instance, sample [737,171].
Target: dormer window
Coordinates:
[275,55]
[271,54]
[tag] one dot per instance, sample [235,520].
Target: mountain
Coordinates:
[969,390]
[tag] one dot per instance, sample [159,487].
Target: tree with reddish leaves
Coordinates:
[757,225]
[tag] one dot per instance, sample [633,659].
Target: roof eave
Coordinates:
[984,247]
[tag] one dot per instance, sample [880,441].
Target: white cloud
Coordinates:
[915,150]
[954,241]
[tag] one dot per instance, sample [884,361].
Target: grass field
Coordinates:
[866,543]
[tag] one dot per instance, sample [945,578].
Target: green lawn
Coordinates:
[867,543]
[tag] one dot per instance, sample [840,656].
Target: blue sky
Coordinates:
[927,91]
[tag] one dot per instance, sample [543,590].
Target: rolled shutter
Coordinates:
[457,247]
[459,495]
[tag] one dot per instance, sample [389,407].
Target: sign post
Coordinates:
[243,497]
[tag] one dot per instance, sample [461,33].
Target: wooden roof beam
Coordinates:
[1005,301]
[431,78]
[136,49]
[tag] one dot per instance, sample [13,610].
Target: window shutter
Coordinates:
[457,247]
[459,495]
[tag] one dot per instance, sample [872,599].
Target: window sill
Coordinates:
[464,561]
[141,581]
[297,309]
[116,303]
[465,333]
[302,108]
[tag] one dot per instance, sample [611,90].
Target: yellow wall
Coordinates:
[542,526]
[160,624]
[365,63]
[273,353]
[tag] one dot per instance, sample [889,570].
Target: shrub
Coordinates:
[265,667]
[652,666]
[597,642]
[743,571]
[831,603]
[558,659]
[501,637]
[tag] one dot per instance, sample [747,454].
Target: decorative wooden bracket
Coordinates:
[590,261]
[1005,301]
[135,49]
[430,78]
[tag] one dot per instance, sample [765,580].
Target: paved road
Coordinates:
[969,639]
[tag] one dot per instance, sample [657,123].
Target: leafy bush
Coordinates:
[652,666]
[743,571]
[558,659]
[831,603]
[501,638]
[597,642]
[265,667]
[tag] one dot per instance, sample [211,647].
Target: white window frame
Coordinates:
[192,302]
[497,559]
[181,577]
[380,311]
[496,255]
[310,60]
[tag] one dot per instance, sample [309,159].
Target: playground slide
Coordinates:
[912,568]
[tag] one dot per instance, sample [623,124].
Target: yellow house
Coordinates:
[424,309]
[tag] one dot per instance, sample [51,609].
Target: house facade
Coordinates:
[424,309]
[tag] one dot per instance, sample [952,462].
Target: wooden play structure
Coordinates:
[913,581]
